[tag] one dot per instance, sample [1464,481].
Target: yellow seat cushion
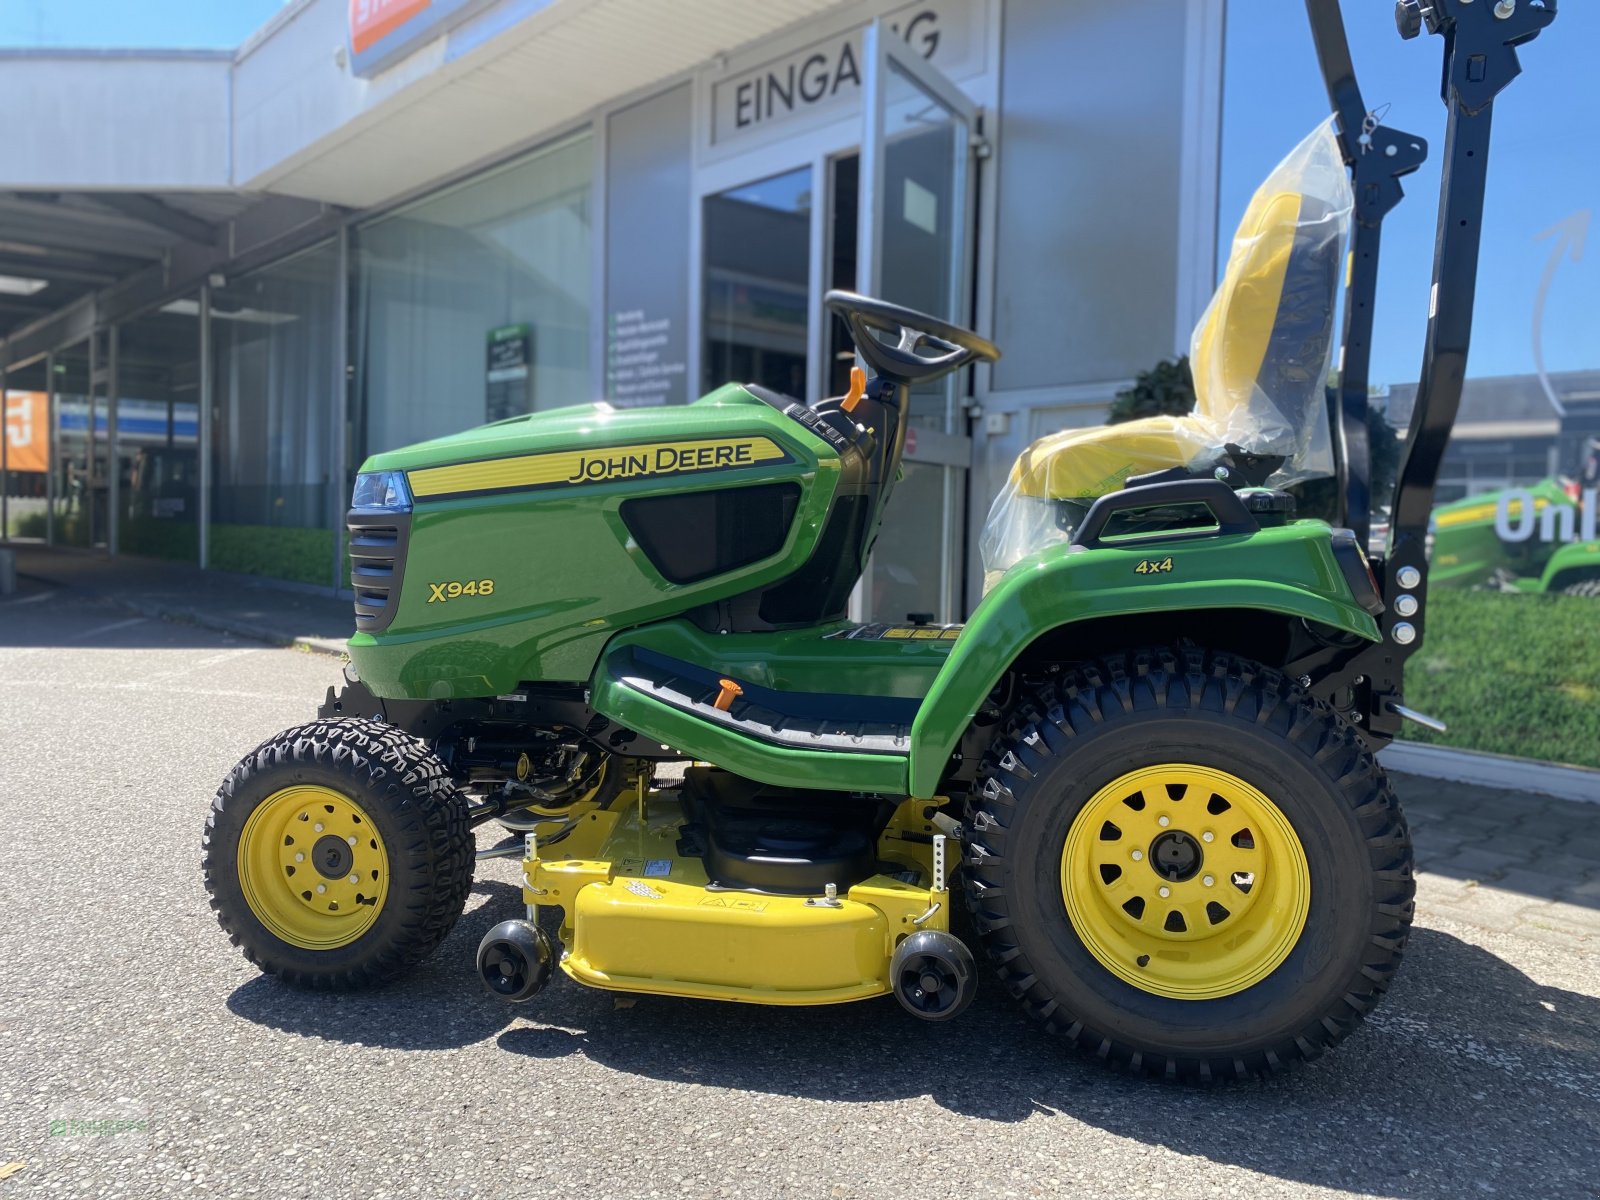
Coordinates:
[1230,347]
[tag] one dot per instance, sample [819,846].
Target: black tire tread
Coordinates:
[1583,587]
[1083,697]
[397,771]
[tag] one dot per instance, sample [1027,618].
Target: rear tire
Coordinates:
[286,890]
[1584,587]
[1334,900]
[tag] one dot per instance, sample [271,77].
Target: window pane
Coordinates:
[758,249]
[158,411]
[273,336]
[509,254]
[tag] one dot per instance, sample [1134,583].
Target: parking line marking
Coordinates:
[111,628]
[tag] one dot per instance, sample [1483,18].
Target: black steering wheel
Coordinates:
[905,360]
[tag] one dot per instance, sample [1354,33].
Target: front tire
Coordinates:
[1183,864]
[1584,587]
[338,854]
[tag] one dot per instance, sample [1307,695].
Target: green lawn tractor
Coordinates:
[1538,539]
[1145,764]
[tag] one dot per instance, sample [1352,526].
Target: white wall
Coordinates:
[122,121]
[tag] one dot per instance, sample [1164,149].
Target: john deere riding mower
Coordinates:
[1145,763]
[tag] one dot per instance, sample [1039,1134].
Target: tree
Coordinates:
[1166,389]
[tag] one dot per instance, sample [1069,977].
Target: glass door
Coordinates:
[912,225]
[757,272]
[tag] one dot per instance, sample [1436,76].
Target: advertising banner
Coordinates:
[27,431]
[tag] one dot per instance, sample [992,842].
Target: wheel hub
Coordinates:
[1185,881]
[1176,856]
[332,857]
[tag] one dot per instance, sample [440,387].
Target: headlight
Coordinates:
[384,490]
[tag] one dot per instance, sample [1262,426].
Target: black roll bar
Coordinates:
[1377,157]
[1480,60]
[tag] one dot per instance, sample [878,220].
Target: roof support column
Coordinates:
[52,449]
[113,448]
[339,417]
[203,427]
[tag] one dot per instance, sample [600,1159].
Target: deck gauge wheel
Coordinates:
[515,959]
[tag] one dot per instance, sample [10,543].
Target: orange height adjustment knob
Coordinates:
[726,696]
[858,389]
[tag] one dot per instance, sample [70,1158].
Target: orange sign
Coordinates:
[27,431]
[373,20]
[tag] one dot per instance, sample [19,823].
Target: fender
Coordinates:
[1570,563]
[1290,569]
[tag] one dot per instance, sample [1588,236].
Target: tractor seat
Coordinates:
[1259,354]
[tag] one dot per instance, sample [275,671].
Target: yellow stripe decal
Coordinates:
[1481,512]
[601,465]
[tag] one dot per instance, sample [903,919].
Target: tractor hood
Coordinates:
[579,427]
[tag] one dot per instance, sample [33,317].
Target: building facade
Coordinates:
[381,222]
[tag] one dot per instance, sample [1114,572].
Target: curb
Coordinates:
[1493,770]
[334,647]
[256,633]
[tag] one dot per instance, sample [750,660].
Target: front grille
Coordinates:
[377,565]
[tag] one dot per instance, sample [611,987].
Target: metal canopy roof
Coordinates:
[57,247]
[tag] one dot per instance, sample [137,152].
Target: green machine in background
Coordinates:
[1538,539]
[1145,764]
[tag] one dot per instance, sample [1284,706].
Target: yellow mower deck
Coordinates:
[638,917]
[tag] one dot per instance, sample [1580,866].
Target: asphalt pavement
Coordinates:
[140,1055]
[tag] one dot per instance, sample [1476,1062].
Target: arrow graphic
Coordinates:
[1570,233]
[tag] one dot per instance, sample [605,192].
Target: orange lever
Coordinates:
[858,389]
[725,697]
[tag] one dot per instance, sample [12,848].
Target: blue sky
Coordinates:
[1545,167]
[172,24]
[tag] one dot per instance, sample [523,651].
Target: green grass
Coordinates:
[1510,674]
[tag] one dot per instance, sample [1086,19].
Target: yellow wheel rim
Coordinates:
[313,867]
[1185,881]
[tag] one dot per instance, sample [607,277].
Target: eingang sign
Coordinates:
[826,75]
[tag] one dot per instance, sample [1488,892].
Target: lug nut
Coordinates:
[1209,880]
[1163,821]
[1165,892]
[1208,836]
[322,887]
[299,857]
[1137,855]
[351,839]
[318,827]
[355,879]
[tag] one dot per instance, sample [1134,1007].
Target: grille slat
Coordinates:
[378,544]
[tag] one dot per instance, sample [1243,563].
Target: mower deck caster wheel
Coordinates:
[933,976]
[514,960]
